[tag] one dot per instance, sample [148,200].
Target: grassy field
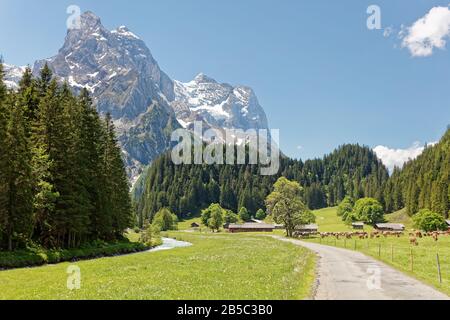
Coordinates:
[396,251]
[186,224]
[329,221]
[217,266]
[400,217]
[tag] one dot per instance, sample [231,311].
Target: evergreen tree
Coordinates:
[116,178]
[351,170]
[62,178]
[18,222]
[4,112]
[244,214]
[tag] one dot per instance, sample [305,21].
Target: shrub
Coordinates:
[150,236]
[230,217]
[260,214]
[165,220]
[345,208]
[427,220]
[37,257]
[243,214]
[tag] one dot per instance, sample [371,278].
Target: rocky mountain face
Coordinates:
[219,105]
[13,75]
[126,81]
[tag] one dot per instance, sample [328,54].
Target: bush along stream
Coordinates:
[38,256]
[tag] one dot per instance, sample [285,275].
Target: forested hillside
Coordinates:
[62,179]
[350,170]
[423,183]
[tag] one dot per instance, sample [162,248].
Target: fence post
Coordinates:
[379,250]
[355,244]
[439,268]
[392,252]
[345,243]
[412,259]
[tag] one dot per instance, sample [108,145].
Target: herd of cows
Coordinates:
[413,235]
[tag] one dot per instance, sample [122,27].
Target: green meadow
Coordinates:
[217,266]
[329,221]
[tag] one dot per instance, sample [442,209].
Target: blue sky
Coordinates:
[321,75]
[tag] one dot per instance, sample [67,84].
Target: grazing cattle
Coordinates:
[413,241]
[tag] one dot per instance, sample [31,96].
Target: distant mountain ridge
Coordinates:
[220,105]
[145,103]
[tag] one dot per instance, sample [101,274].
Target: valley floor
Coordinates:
[217,266]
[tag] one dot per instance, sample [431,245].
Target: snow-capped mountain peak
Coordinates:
[203,78]
[123,31]
[115,66]
[13,75]
[126,81]
[219,105]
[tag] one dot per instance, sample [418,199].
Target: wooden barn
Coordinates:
[358,225]
[308,228]
[251,227]
[390,227]
[195,225]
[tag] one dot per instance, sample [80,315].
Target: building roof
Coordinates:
[358,224]
[448,222]
[251,226]
[395,226]
[308,227]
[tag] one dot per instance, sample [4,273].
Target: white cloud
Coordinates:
[429,32]
[397,157]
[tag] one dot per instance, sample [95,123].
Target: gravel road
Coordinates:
[349,275]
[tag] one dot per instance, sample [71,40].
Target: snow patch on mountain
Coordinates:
[13,75]
[146,105]
[218,105]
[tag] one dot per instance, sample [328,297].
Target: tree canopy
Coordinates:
[351,170]
[427,220]
[165,220]
[286,207]
[367,210]
[423,183]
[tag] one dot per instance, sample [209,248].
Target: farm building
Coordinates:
[358,225]
[251,227]
[309,228]
[195,225]
[448,223]
[390,227]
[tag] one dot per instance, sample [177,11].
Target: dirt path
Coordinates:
[350,275]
